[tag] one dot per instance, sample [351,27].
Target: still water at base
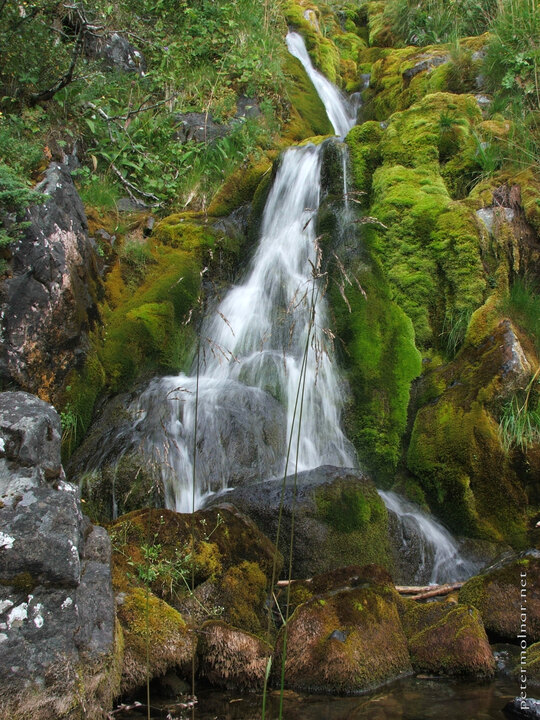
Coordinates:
[409,699]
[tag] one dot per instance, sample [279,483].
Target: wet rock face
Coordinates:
[56,601]
[48,301]
[339,518]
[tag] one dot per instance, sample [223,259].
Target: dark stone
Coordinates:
[116,52]
[428,63]
[128,205]
[247,107]
[328,531]
[199,127]
[56,599]
[236,224]
[522,708]
[48,302]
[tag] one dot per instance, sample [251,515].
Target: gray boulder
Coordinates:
[339,518]
[56,602]
[48,300]
[116,52]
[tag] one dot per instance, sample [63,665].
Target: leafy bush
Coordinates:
[513,59]
[15,197]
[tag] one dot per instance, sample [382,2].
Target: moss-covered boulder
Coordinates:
[339,518]
[156,638]
[232,658]
[213,563]
[529,663]
[455,449]
[508,598]
[446,639]
[345,642]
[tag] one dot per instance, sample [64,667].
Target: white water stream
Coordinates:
[252,351]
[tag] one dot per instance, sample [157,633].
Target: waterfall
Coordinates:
[341,113]
[422,542]
[252,354]
[236,408]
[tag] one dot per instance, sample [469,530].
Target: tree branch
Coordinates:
[65,79]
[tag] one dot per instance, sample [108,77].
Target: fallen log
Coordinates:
[416,592]
[436,591]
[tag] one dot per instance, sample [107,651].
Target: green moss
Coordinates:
[239,188]
[364,152]
[382,361]
[408,201]
[357,523]
[308,115]
[146,329]
[82,390]
[244,590]
[455,452]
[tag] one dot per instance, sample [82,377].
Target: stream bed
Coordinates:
[414,698]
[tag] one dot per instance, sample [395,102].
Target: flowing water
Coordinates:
[265,353]
[435,553]
[341,113]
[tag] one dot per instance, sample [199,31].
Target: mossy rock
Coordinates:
[72,691]
[338,518]
[232,658]
[527,669]
[447,639]
[378,339]
[455,449]
[351,576]
[239,188]
[230,561]
[508,598]
[122,487]
[307,113]
[365,155]
[154,311]
[345,642]
[156,638]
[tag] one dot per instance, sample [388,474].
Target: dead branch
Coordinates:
[432,591]
[131,187]
[367,220]
[416,592]
[66,78]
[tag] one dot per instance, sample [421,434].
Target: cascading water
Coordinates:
[239,410]
[425,545]
[253,348]
[341,113]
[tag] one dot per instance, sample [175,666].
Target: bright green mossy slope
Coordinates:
[423,173]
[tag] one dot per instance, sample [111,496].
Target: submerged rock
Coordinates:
[522,708]
[339,518]
[57,626]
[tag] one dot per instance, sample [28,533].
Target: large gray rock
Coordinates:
[56,599]
[339,518]
[48,300]
[116,52]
